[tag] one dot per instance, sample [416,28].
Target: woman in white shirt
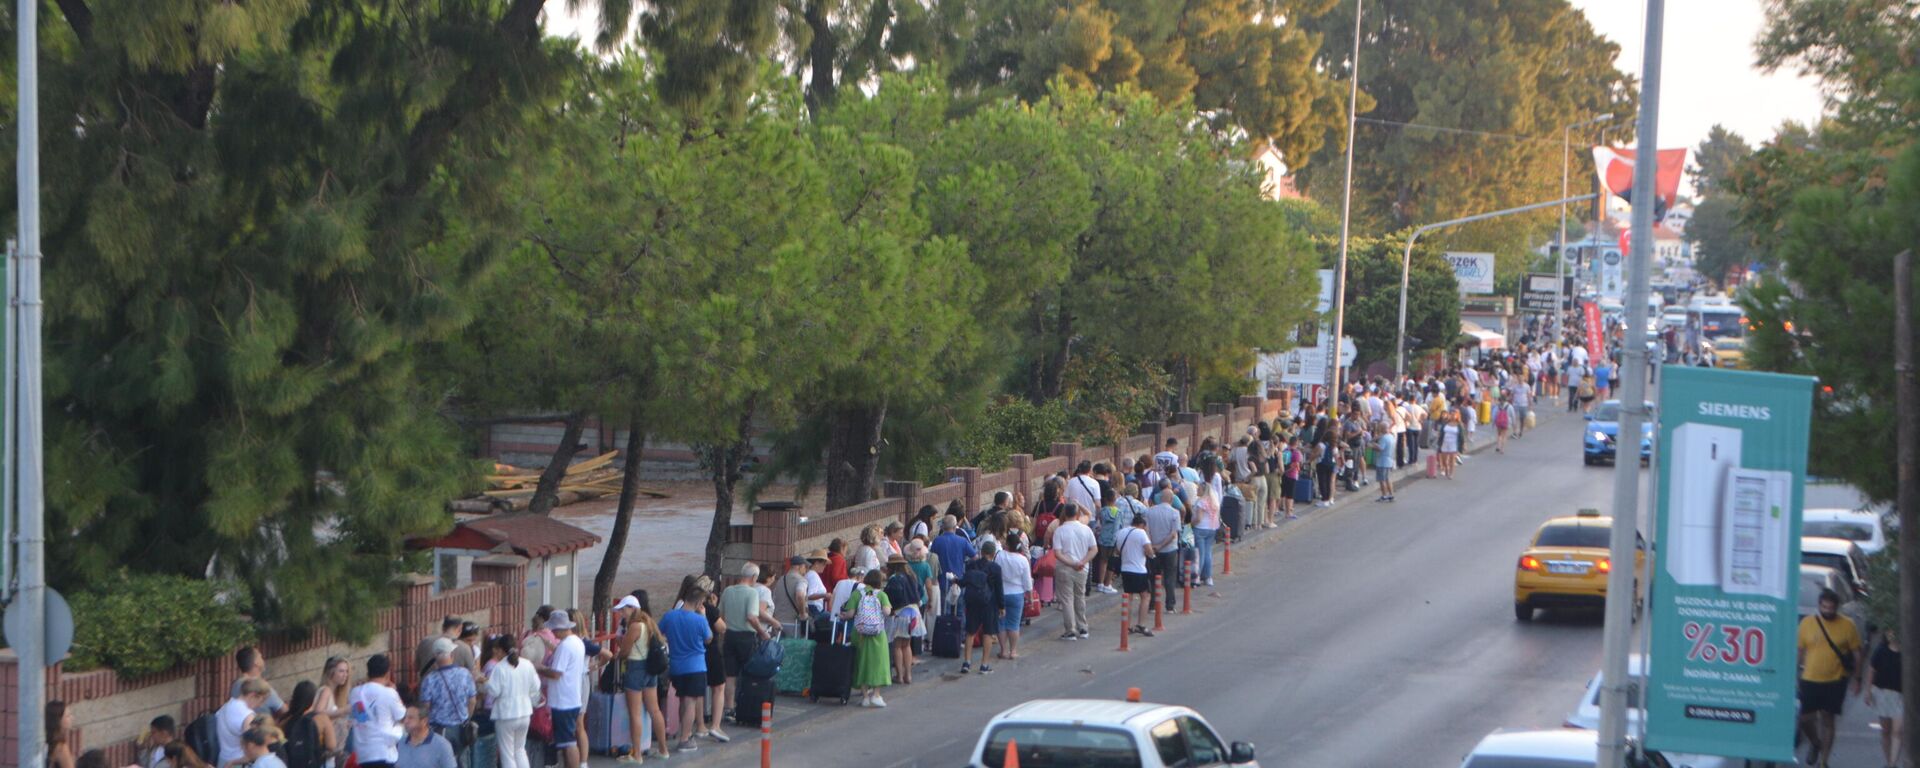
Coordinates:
[514,687]
[1016,580]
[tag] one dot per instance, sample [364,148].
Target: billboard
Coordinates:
[1726,575]
[1474,271]
[1307,364]
[1538,292]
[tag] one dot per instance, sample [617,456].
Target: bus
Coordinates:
[1716,317]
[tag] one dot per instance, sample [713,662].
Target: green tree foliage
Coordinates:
[254,214]
[1373,297]
[1720,241]
[142,624]
[1243,70]
[1519,69]
[1717,159]
[1833,204]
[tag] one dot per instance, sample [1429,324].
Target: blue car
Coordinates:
[1603,432]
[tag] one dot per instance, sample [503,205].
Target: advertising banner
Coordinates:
[1596,348]
[1474,271]
[1726,576]
[1538,293]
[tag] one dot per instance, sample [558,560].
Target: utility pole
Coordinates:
[1907,498]
[1346,215]
[1618,632]
[31,601]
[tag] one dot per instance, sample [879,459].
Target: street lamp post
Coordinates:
[1346,211]
[1406,264]
[1560,262]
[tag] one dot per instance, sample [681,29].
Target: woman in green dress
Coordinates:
[872,668]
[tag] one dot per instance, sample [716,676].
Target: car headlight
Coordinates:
[1599,437]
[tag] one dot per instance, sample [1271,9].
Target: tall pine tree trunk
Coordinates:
[820,58]
[853,453]
[548,491]
[724,461]
[622,516]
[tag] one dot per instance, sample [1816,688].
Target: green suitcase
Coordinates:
[796,668]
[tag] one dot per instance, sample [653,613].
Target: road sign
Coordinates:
[58,628]
[1537,293]
[1726,569]
[1473,271]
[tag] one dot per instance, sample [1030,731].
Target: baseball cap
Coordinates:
[442,646]
[627,601]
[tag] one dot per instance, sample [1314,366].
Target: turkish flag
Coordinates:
[1615,168]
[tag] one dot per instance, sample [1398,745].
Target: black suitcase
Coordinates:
[753,692]
[833,667]
[950,630]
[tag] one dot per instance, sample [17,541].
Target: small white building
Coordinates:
[1278,184]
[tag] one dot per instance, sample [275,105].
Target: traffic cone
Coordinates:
[1012,759]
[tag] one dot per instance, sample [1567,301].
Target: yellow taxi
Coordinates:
[1566,565]
[1728,353]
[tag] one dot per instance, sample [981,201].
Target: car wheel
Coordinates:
[1523,612]
[1586,460]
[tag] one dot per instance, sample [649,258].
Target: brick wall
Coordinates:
[110,710]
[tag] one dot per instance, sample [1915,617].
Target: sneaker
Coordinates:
[1084,634]
[966,667]
[1209,582]
[1107,588]
[986,670]
[1069,636]
[1144,632]
[718,736]
[878,701]
[687,746]
[1292,516]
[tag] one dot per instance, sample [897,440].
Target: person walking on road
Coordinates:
[1450,434]
[1136,550]
[1829,647]
[1074,549]
[1883,694]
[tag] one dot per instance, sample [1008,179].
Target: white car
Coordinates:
[1563,748]
[1839,554]
[1860,526]
[1586,716]
[1102,732]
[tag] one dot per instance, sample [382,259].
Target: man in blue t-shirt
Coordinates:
[688,634]
[954,550]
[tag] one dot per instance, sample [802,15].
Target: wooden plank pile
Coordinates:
[511,488]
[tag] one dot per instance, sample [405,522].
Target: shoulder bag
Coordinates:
[1846,659]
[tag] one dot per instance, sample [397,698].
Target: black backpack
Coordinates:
[202,738]
[302,748]
[974,587]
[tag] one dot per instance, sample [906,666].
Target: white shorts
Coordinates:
[1886,705]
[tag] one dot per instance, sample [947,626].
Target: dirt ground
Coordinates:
[667,538]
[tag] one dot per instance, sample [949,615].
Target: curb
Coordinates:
[1100,604]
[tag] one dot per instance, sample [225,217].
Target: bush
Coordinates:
[140,624]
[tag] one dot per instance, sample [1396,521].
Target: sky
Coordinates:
[1707,70]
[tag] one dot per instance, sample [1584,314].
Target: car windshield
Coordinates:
[1836,562]
[1570,535]
[1837,529]
[1061,746]
[1607,412]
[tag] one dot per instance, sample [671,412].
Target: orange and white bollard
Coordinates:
[1012,760]
[1126,621]
[766,734]
[1158,606]
[1226,558]
[1186,586]
[1133,695]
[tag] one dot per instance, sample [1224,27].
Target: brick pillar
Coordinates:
[909,495]
[773,535]
[969,478]
[1070,450]
[1023,470]
[1225,412]
[1186,427]
[1158,429]
[415,600]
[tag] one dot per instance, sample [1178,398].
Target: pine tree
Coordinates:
[256,215]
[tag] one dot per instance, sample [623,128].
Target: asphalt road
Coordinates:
[1366,635]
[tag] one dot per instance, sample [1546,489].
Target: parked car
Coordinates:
[1586,715]
[1839,554]
[1099,732]
[1814,578]
[1561,748]
[1860,526]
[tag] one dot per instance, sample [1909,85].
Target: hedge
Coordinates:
[141,624]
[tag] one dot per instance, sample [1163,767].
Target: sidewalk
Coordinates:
[792,712]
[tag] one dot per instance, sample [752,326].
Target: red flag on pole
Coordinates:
[1615,168]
